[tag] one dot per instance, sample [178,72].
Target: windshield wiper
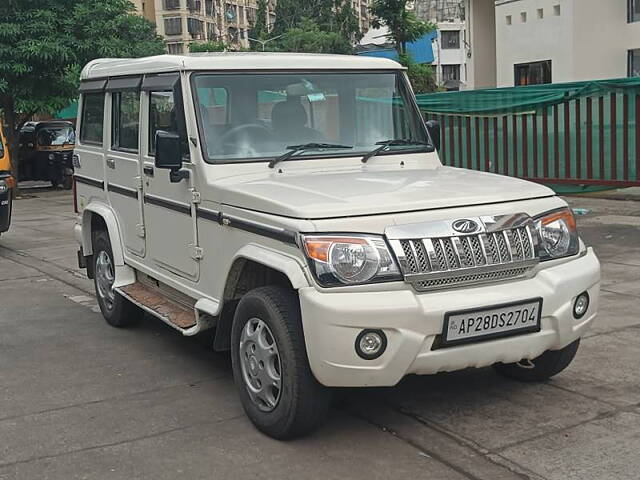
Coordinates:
[390,143]
[296,149]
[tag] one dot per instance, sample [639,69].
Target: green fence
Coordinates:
[584,133]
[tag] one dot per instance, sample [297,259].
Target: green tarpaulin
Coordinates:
[531,98]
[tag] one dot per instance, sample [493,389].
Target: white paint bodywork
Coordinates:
[333,195]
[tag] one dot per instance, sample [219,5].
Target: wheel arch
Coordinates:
[93,214]
[254,266]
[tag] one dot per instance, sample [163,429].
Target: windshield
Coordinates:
[257,116]
[52,136]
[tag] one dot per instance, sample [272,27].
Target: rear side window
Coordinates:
[92,118]
[126,121]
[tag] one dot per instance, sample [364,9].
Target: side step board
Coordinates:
[177,314]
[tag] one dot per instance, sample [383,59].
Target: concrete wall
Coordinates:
[481,35]
[603,38]
[537,39]
[589,39]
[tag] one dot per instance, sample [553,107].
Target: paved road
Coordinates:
[79,399]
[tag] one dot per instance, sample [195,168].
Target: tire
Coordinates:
[116,310]
[545,366]
[67,182]
[300,403]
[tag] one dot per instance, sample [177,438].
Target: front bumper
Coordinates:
[412,321]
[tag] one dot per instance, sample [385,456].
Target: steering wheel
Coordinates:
[229,139]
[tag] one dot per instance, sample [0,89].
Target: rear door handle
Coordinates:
[111,163]
[148,170]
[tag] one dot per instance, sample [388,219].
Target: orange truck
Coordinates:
[7,184]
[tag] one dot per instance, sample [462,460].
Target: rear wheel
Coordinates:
[116,310]
[270,367]
[541,368]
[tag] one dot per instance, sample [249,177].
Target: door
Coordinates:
[169,211]
[122,162]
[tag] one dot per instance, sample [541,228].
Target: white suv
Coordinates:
[296,204]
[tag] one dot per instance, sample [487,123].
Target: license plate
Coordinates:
[491,322]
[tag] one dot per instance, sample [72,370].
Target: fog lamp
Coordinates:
[370,344]
[581,305]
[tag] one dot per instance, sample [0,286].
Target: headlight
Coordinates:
[350,260]
[558,234]
[51,156]
[3,186]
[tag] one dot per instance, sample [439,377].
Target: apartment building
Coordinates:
[464,49]
[361,8]
[545,41]
[182,22]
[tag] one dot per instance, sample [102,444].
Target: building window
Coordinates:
[450,72]
[92,118]
[523,17]
[508,19]
[195,27]
[450,39]
[535,73]
[171,4]
[175,48]
[173,26]
[634,63]
[633,10]
[556,10]
[125,121]
[541,13]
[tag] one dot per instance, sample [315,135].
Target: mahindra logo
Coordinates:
[465,225]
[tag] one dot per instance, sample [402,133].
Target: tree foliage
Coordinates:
[330,16]
[404,27]
[45,43]
[309,38]
[420,75]
[259,30]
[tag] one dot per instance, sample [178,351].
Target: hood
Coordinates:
[361,191]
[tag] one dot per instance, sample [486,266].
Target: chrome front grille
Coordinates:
[438,255]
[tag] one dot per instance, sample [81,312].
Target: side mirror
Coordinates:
[433,127]
[169,155]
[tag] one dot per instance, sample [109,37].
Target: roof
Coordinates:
[111,67]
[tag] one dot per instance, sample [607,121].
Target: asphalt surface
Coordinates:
[79,399]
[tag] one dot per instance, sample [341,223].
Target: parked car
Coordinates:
[46,151]
[7,184]
[296,204]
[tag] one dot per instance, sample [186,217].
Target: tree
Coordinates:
[308,38]
[404,27]
[208,47]
[259,30]
[420,75]
[332,16]
[45,43]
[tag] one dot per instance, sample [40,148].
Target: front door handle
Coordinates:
[111,163]
[148,170]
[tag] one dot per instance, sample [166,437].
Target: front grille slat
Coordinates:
[467,259]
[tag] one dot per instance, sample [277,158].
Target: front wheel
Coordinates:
[278,391]
[541,368]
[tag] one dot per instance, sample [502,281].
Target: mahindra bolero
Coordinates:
[296,205]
